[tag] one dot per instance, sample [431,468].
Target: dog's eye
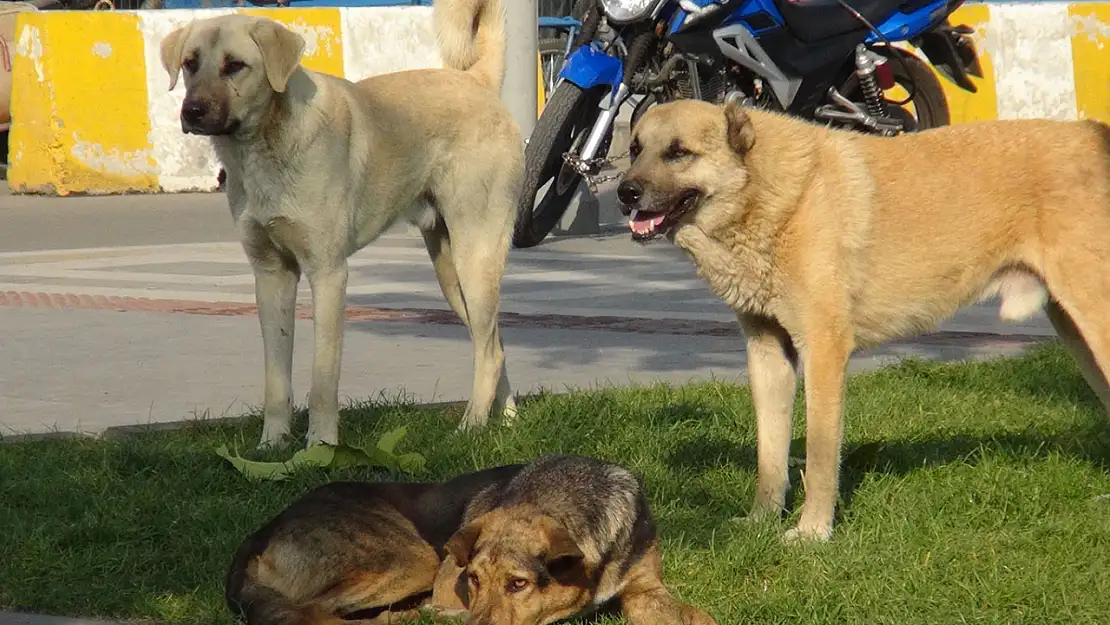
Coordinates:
[634,149]
[233,66]
[517,584]
[473,579]
[190,64]
[675,151]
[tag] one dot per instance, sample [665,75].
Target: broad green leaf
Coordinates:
[412,463]
[319,455]
[331,456]
[346,456]
[388,441]
[274,471]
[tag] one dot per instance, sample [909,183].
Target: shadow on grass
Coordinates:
[1014,395]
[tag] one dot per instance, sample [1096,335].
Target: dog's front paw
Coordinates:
[803,534]
[470,423]
[439,613]
[762,514]
[689,615]
[473,419]
[328,436]
[273,437]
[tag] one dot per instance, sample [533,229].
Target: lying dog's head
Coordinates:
[233,65]
[522,568]
[683,154]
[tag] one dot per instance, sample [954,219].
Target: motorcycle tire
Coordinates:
[570,112]
[929,100]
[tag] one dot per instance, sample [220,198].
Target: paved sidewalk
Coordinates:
[128,310]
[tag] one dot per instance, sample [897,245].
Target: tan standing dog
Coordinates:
[824,241]
[318,167]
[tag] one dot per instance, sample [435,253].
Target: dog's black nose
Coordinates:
[629,192]
[193,112]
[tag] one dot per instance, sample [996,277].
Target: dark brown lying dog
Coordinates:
[514,545]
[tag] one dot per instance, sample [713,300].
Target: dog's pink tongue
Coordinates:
[646,225]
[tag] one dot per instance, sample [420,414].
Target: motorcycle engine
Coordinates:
[713,82]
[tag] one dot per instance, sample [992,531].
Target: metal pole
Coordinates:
[521,69]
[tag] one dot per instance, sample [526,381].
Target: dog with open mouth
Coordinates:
[646,224]
[825,241]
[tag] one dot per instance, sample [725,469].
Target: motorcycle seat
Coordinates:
[814,20]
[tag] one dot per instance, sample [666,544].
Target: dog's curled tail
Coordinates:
[471,36]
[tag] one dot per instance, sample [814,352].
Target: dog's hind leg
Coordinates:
[438,241]
[1073,268]
[1072,339]
[479,263]
[1079,313]
[646,601]
[390,596]
[276,275]
[479,247]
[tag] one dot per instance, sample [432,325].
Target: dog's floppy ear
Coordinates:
[462,543]
[739,127]
[173,52]
[564,558]
[281,51]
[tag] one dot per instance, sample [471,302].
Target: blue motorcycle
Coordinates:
[831,61]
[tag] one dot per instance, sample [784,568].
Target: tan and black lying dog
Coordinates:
[514,545]
[824,241]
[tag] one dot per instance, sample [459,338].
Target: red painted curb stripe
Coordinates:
[76,301]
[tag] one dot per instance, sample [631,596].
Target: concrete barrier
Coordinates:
[92,109]
[92,113]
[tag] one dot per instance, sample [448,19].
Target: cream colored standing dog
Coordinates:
[318,167]
[824,241]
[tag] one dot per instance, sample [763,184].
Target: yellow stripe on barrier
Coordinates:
[322,32]
[80,105]
[1090,47]
[541,96]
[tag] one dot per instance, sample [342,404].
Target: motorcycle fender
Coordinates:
[953,54]
[588,67]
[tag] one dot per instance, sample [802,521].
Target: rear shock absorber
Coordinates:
[868,85]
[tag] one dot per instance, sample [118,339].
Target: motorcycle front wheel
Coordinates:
[549,183]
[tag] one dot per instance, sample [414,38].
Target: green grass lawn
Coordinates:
[973,493]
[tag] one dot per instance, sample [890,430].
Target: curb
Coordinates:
[120,432]
[20,618]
